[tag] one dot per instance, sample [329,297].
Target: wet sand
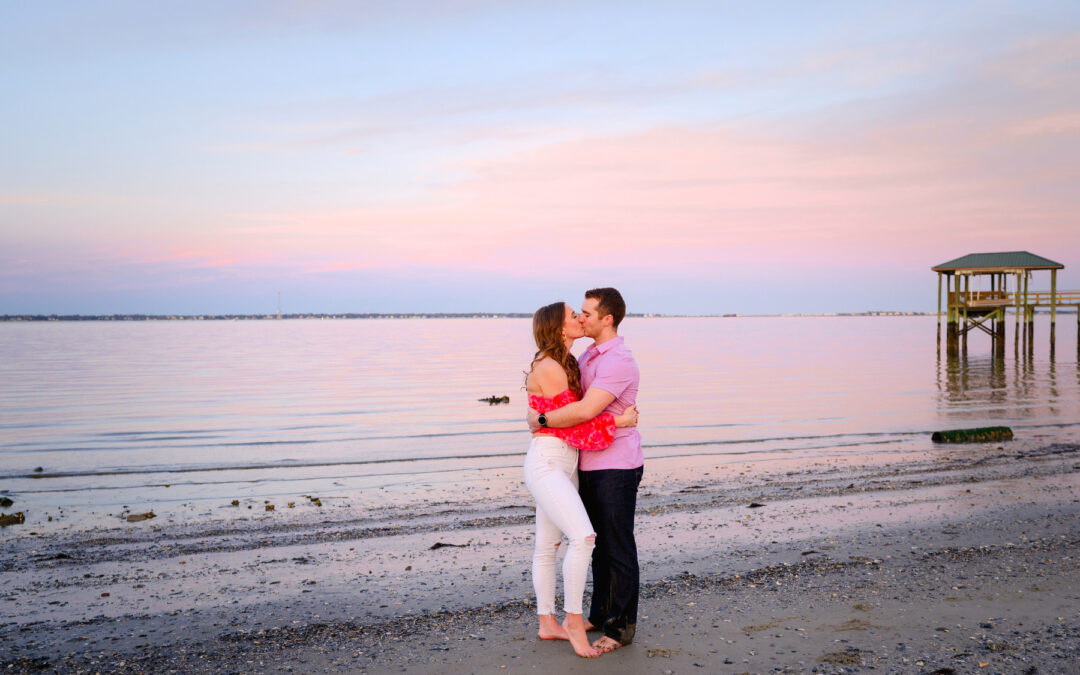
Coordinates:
[953,557]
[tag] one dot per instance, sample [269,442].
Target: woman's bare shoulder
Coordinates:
[547,377]
[546,365]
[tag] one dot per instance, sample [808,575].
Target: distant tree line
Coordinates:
[381,315]
[257,317]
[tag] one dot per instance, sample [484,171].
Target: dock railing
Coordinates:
[1008,298]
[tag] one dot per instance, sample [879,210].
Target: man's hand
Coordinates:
[531,419]
[628,418]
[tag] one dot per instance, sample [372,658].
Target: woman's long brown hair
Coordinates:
[548,332]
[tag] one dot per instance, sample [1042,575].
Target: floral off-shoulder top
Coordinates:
[596,434]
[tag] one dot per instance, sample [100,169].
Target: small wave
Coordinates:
[412,473]
[31,447]
[297,464]
[192,433]
[822,440]
[282,464]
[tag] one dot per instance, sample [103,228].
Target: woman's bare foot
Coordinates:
[606,644]
[589,626]
[550,629]
[575,630]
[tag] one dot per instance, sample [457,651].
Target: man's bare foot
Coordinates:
[575,629]
[550,629]
[589,626]
[606,644]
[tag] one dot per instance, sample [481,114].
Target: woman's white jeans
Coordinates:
[551,476]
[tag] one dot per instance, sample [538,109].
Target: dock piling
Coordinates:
[1053,306]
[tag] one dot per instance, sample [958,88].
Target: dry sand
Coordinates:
[962,558]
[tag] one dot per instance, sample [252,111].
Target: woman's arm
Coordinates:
[590,406]
[596,434]
[599,432]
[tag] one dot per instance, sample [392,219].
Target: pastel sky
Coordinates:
[704,157]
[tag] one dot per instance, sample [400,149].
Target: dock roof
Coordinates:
[998,262]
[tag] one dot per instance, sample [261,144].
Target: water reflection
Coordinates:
[982,378]
[989,386]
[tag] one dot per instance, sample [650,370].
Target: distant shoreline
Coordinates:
[406,315]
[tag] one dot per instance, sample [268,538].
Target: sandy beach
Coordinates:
[961,557]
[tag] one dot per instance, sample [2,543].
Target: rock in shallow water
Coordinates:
[979,435]
[14,519]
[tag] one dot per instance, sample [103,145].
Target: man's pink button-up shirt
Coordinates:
[611,367]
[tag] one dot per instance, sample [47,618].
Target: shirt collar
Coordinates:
[607,346]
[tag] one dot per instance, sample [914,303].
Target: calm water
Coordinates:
[107,408]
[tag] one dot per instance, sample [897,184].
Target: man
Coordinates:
[608,478]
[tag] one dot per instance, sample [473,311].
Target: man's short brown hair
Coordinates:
[609,301]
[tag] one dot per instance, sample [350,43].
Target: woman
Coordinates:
[551,474]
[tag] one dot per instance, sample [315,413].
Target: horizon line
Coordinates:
[273,316]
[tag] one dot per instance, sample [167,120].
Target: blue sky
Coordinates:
[705,157]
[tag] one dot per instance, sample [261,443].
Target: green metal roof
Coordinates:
[1019,260]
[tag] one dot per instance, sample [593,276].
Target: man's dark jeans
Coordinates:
[610,498]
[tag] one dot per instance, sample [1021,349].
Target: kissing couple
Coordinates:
[583,469]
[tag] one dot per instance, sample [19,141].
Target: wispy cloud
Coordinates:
[323,142]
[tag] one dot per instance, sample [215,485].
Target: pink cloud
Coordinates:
[700,198]
[34,199]
[1045,63]
[893,181]
[687,199]
[1062,123]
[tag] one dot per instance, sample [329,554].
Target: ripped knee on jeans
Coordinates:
[590,540]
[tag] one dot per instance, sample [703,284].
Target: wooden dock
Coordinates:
[986,310]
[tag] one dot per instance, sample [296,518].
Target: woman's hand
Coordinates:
[628,418]
[531,419]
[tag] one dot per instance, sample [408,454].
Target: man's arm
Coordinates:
[594,402]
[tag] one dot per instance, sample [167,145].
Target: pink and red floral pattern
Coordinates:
[596,434]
